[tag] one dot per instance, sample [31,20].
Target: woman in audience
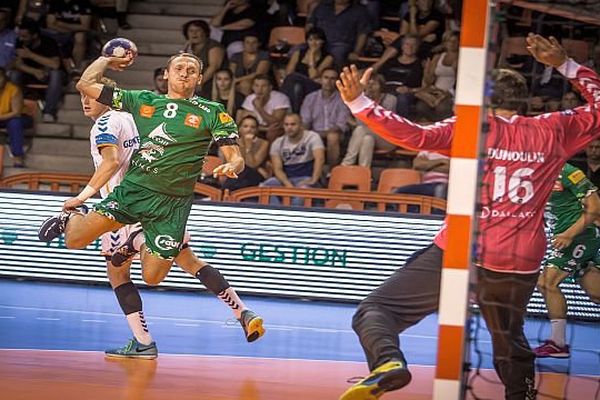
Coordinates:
[255,151]
[436,97]
[425,21]
[199,43]
[223,91]
[403,73]
[235,20]
[363,141]
[249,63]
[304,68]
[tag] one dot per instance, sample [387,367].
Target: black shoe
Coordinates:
[53,227]
[126,252]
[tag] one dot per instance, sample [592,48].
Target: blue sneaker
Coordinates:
[126,252]
[134,349]
[392,375]
[252,324]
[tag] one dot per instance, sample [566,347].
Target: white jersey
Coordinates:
[114,128]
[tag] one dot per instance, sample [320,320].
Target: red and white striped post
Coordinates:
[462,200]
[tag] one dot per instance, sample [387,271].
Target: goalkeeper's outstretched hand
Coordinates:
[547,51]
[351,84]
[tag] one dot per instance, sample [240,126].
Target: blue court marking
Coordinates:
[58,316]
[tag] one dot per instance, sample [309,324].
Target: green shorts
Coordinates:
[580,252]
[163,217]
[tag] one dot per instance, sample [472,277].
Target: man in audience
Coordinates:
[11,105]
[67,22]
[591,166]
[297,158]
[160,83]
[8,39]
[345,27]
[267,105]
[434,181]
[324,111]
[38,62]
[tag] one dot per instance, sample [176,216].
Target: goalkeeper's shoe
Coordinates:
[551,349]
[134,349]
[392,375]
[252,324]
[125,252]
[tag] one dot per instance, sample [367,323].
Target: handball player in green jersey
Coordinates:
[157,190]
[575,242]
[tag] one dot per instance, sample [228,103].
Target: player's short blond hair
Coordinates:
[187,55]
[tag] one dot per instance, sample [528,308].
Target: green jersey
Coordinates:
[174,138]
[565,207]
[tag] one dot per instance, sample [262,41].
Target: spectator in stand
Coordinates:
[403,73]
[68,22]
[38,62]
[160,83]
[31,9]
[434,180]
[591,165]
[345,28]
[324,112]
[267,105]
[436,97]
[121,7]
[304,68]
[255,151]
[8,39]
[426,22]
[199,43]
[236,19]
[11,106]
[363,141]
[569,101]
[247,64]
[297,157]
[223,91]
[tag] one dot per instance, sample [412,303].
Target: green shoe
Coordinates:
[252,324]
[392,375]
[134,349]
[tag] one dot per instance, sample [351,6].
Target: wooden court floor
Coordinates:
[73,375]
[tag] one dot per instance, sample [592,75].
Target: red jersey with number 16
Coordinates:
[524,155]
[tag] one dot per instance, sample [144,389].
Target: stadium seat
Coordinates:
[353,176]
[393,178]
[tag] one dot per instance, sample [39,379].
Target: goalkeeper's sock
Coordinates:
[558,328]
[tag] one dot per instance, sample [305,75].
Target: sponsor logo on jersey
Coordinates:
[150,151]
[192,120]
[147,111]
[195,102]
[166,242]
[159,135]
[487,212]
[117,100]
[225,118]
[132,142]
[112,205]
[576,176]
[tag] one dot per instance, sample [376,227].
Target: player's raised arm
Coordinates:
[387,124]
[90,81]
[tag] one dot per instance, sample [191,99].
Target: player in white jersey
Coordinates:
[113,140]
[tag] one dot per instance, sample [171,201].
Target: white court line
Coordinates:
[219,322]
[47,319]
[94,320]
[194,325]
[6,317]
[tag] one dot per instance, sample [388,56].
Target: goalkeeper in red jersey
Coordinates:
[523,158]
[575,242]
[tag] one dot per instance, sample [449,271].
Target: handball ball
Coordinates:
[120,47]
